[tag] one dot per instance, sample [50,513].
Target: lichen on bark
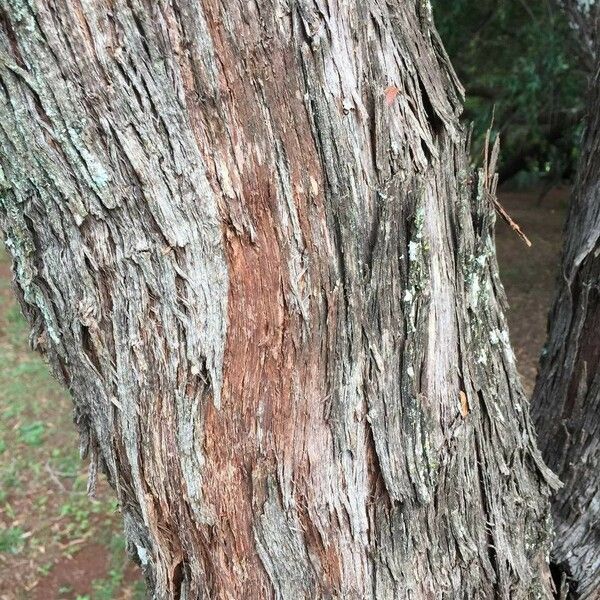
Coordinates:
[260,268]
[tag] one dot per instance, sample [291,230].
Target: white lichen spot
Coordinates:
[585,5]
[474,290]
[482,357]
[413,250]
[408,296]
[99,175]
[143,554]
[410,372]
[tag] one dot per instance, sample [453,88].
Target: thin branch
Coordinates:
[513,224]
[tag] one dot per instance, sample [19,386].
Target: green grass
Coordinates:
[45,514]
[11,540]
[107,588]
[32,434]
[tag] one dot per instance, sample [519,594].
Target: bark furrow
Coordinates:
[566,400]
[247,237]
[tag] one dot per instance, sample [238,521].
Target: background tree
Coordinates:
[247,238]
[523,70]
[566,400]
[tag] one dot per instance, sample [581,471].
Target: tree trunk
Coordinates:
[248,239]
[566,400]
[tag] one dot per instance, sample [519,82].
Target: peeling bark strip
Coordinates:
[271,286]
[566,400]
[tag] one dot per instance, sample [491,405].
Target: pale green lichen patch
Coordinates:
[99,177]
[418,266]
[475,272]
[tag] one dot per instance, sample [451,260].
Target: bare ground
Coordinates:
[529,274]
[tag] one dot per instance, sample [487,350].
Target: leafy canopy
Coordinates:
[518,58]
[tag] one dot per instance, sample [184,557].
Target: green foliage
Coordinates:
[517,59]
[108,587]
[32,434]
[11,540]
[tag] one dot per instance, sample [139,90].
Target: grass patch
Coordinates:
[43,481]
[108,587]
[32,434]
[11,540]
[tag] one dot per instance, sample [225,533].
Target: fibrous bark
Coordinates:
[566,400]
[247,237]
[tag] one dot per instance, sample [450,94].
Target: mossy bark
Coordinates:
[248,239]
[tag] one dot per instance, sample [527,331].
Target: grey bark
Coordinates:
[247,238]
[566,400]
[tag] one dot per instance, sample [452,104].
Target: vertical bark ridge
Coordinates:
[258,222]
[566,398]
[114,254]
